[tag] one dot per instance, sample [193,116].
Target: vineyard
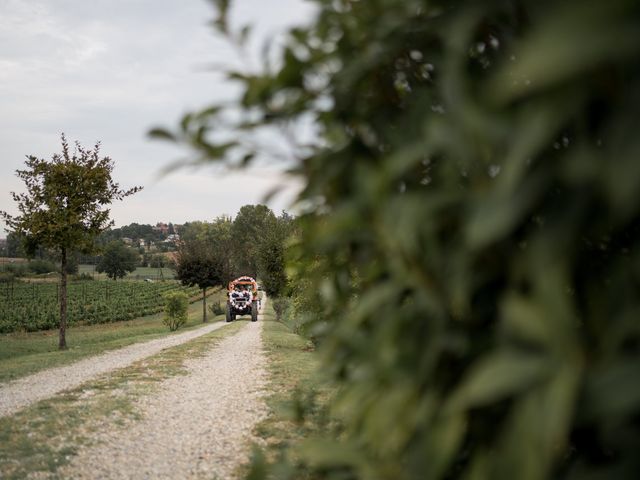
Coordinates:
[35,306]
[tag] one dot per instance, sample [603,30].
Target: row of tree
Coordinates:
[211,254]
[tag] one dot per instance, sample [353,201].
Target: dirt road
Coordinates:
[196,426]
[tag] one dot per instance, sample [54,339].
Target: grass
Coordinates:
[44,436]
[298,394]
[25,353]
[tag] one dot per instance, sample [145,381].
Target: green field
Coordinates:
[34,306]
[22,353]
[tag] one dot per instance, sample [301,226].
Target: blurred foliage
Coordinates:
[471,230]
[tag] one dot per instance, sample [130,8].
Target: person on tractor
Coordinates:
[242,299]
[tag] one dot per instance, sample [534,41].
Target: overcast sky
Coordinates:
[110,70]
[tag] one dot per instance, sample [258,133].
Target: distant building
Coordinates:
[127,240]
[162,228]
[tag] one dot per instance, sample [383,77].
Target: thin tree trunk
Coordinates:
[62,345]
[204,305]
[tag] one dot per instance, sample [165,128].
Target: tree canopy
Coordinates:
[117,260]
[202,258]
[63,207]
[65,197]
[248,229]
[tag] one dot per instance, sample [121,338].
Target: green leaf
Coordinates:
[321,453]
[613,391]
[445,436]
[162,134]
[497,376]
[576,37]
[525,319]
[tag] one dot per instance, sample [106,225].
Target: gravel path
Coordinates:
[23,392]
[197,426]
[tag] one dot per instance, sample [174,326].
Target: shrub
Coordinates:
[17,269]
[6,277]
[83,276]
[216,308]
[42,266]
[175,310]
[280,305]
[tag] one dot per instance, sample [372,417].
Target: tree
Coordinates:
[157,261]
[63,207]
[197,265]
[15,245]
[271,255]
[472,217]
[217,236]
[176,310]
[249,227]
[117,260]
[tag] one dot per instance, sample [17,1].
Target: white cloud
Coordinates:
[110,70]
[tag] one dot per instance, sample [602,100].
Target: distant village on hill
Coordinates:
[161,237]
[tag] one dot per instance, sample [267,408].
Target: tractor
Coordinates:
[242,298]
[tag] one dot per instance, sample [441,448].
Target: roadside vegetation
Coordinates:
[44,436]
[469,243]
[298,399]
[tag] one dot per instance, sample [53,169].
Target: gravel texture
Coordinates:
[23,392]
[196,426]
